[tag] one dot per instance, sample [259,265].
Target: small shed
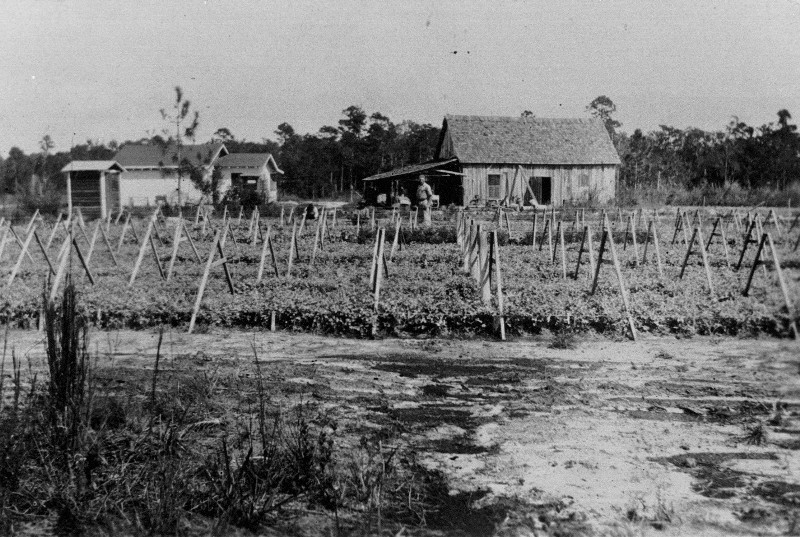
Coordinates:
[442,175]
[93,185]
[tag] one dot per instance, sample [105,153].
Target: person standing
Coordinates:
[424,195]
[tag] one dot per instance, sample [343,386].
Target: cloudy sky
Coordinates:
[102,69]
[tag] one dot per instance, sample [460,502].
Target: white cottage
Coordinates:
[250,172]
[151,172]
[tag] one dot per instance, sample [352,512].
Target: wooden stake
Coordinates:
[53,231]
[124,229]
[499,279]
[142,249]
[563,252]
[622,288]
[484,282]
[396,240]
[580,252]
[267,243]
[82,260]
[784,287]
[203,282]
[176,242]
[292,250]
[44,252]
[688,253]
[635,243]
[757,261]
[95,233]
[553,251]
[21,257]
[705,260]
[599,263]
[746,242]
[381,262]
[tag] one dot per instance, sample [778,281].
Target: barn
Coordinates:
[93,186]
[490,160]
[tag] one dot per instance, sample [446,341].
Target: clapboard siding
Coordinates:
[566,181]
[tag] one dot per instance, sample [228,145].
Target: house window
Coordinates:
[584,180]
[494,186]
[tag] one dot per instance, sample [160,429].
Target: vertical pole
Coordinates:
[204,281]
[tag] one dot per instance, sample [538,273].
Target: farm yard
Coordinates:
[328,287]
[347,375]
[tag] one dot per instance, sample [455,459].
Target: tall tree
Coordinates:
[184,128]
[604,108]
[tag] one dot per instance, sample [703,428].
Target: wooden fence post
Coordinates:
[635,243]
[533,230]
[396,240]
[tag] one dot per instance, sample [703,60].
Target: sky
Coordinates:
[102,69]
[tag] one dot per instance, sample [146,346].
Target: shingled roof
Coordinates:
[247,160]
[518,140]
[157,156]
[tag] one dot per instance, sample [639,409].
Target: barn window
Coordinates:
[494,186]
[584,180]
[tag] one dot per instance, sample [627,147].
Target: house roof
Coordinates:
[157,156]
[518,140]
[247,160]
[93,166]
[411,170]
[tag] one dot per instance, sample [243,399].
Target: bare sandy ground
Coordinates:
[621,438]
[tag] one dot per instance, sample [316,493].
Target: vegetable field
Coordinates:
[291,274]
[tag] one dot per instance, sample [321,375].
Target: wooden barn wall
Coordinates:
[565,181]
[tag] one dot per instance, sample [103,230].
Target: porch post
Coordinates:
[69,192]
[103,207]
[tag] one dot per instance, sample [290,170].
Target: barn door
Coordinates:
[542,189]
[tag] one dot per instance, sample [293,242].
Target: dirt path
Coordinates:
[623,438]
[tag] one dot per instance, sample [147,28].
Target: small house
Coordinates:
[489,160]
[151,172]
[93,186]
[250,172]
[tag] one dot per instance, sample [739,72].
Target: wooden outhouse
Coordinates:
[93,185]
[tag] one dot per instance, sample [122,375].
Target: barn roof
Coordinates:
[157,156]
[93,166]
[518,140]
[247,160]
[411,170]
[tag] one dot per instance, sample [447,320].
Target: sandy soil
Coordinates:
[616,437]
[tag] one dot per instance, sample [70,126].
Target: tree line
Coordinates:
[750,157]
[336,158]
